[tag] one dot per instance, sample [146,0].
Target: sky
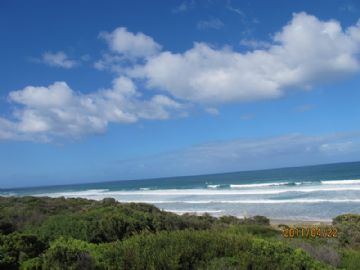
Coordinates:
[116,90]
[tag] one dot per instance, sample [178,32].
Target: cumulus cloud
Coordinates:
[56,110]
[58,59]
[111,62]
[307,51]
[129,44]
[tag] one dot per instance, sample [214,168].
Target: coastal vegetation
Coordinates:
[57,233]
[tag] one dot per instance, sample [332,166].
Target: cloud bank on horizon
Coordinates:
[247,154]
[304,53]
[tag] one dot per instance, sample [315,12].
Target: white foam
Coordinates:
[102,193]
[82,193]
[254,201]
[7,194]
[185,192]
[304,183]
[341,182]
[259,185]
[213,186]
[193,211]
[177,192]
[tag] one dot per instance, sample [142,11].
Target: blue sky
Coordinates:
[94,91]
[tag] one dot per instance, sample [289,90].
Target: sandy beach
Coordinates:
[289,222]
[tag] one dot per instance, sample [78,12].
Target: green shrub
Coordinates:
[347,218]
[229,220]
[46,233]
[350,260]
[6,227]
[204,250]
[32,264]
[348,230]
[16,248]
[257,230]
[276,255]
[69,254]
[325,253]
[259,220]
[226,263]
[176,250]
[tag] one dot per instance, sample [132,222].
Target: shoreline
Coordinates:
[292,222]
[218,213]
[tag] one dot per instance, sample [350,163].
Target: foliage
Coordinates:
[69,254]
[350,260]
[348,226]
[325,252]
[177,250]
[46,233]
[16,248]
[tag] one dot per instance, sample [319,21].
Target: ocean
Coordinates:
[318,192]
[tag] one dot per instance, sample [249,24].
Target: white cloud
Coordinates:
[248,154]
[6,129]
[56,95]
[112,62]
[212,111]
[184,6]
[45,112]
[212,23]
[237,11]
[336,148]
[129,44]
[58,59]
[305,52]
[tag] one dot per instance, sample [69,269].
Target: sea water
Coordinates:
[301,193]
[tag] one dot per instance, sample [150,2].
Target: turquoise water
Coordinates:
[307,193]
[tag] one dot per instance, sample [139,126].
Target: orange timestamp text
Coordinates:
[310,232]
